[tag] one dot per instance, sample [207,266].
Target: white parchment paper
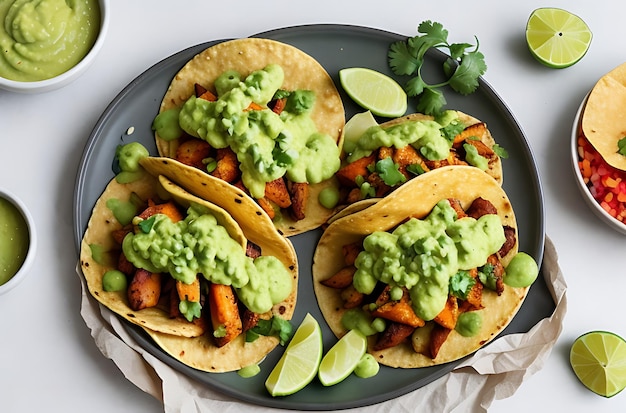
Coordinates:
[492,373]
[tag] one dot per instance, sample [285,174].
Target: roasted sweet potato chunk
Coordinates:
[475,132]
[192,152]
[227,168]
[249,319]
[399,312]
[342,278]
[299,195]
[408,155]
[347,174]
[450,313]
[189,292]
[480,207]
[438,336]
[351,297]
[350,252]
[168,208]
[144,290]
[276,191]
[394,334]
[224,314]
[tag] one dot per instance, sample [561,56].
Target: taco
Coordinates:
[378,159]
[399,271]
[603,119]
[261,115]
[202,311]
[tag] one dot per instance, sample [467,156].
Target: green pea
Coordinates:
[114,280]
[329,197]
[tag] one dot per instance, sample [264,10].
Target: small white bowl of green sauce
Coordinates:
[59,43]
[18,241]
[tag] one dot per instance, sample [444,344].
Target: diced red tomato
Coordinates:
[606,184]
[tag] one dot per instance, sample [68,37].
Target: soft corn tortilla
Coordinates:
[187,342]
[495,166]
[301,72]
[416,199]
[604,116]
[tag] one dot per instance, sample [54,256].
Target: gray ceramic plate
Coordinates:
[335,47]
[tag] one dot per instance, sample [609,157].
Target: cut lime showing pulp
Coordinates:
[556,37]
[374,91]
[342,358]
[300,361]
[599,360]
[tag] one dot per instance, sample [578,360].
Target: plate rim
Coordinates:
[346,28]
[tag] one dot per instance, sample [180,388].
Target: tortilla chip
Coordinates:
[604,116]
[301,72]
[416,199]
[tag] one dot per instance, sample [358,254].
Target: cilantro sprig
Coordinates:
[464,65]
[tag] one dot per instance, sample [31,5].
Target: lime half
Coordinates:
[342,358]
[374,91]
[299,363]
[556,37]
[599,360]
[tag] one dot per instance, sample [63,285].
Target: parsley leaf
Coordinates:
[415,169]
[500,151]
[461,283]
[462,69]
[147,224]
[389,172]
[621,146]
[276,326]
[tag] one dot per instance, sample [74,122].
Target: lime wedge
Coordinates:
[374,91]
[299,363]
[355,128]
[599,360]
[342,358]
[556,37]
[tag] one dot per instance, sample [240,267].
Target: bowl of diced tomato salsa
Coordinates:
[602,186]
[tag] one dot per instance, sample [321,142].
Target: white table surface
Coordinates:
[48,360]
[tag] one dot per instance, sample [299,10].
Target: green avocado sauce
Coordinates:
[474,158]
[268,145]
[367,367]
[522,271]
[14,240]
[40,39]
[427,136]
[469,323]
[423,255]
[127,157]
[199,245]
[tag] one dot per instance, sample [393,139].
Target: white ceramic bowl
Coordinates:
[32,245]
[589,199]
[67,77]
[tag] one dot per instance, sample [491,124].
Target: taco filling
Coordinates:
[423,272]
[258,124]
[184,269]
[380,158]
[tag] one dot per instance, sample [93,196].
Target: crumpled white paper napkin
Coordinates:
[492,373]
